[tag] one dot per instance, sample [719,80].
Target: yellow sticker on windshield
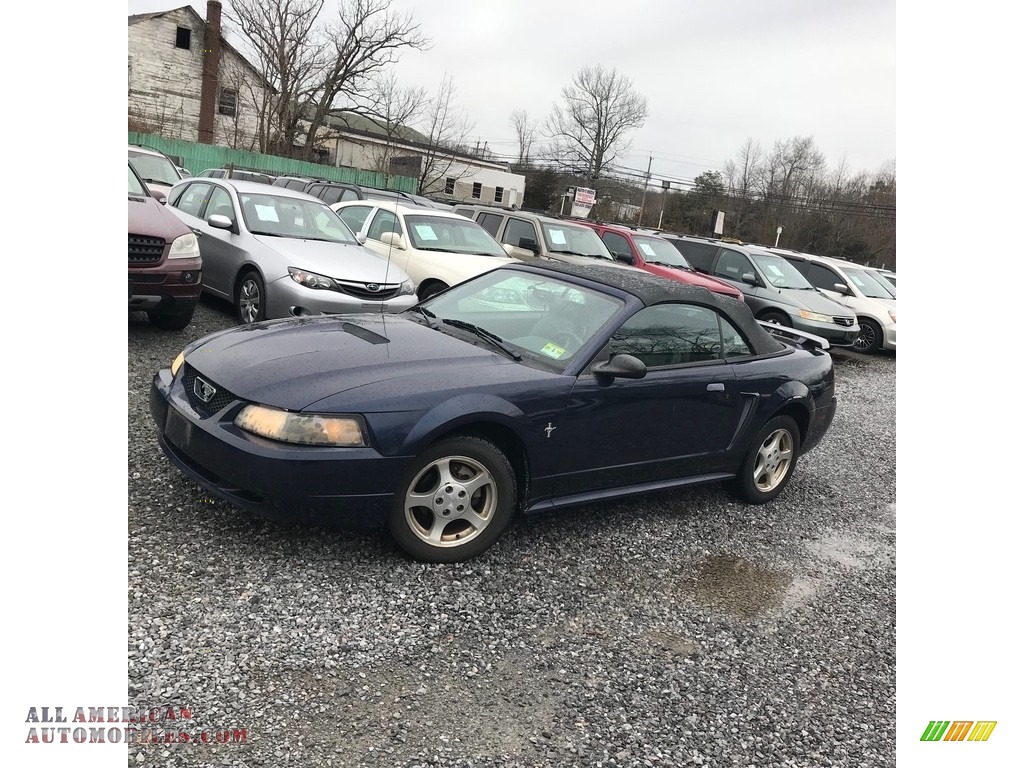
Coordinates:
[553,350]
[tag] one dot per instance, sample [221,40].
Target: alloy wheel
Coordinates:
[451,501]
[774,458]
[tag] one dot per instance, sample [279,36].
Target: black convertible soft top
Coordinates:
[652,289]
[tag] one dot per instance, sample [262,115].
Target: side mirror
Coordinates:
[361,238]
[529,245]
[219,221]
[518,253]
[394,240]
[841,288]
[750,278]
[622,367]
[625,258]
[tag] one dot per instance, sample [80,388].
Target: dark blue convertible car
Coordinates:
[526,388]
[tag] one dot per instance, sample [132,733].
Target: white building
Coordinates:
[166,55]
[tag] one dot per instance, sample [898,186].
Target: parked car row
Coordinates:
[276,251]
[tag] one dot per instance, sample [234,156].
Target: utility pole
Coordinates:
[643,200]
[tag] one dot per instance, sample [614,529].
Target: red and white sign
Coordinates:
[583,202]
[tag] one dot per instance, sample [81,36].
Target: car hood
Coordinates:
[812,300]
[337,260]
[150,218]
[294,363]
[692,277]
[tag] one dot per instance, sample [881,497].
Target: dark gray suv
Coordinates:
[773,288]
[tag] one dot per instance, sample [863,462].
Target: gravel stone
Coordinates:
[677,629]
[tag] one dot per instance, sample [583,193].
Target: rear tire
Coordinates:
[251,298]
[770,461]
[454,502]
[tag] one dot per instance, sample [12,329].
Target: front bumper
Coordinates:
[286,298]
[173,282]
[339,487]
[837,335]
[889,337]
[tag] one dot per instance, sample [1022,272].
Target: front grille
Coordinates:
[145,250]
[221,399]
[360,291]
[847,321]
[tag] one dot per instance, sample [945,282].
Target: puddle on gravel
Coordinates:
[733,585]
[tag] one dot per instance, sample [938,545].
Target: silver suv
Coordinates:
[531,236]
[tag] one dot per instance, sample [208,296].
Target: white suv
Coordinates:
[855,286]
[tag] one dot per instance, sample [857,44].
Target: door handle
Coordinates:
[196,231]
[716,387]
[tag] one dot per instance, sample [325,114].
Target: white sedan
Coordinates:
[436,248]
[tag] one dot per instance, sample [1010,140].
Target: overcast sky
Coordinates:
[714,74]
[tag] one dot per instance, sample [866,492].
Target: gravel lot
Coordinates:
[677,629]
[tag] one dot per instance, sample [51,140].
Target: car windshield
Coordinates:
[534,318]
[659,251]
[779,272]
[154,169]
[582,241]
[293,217]
[887,280]
[135,187]
[450,233]
[868,285]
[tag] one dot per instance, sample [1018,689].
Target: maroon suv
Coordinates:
[164,267]
[656,255]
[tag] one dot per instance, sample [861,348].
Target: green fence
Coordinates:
[198,157]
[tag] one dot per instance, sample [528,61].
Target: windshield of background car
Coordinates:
[293,217]
[154,169]
[455,235]
[779,272]
[868,285]
[660,251]
[546,320]
[134,185]
[583,241]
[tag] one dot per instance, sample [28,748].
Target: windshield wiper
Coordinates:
[268,234]
[160,181]
[484,334]
[426,314]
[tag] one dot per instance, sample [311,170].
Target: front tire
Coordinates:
[176,319]
[454,502]
[869,340]
[778,318]
[431,289]
[769,463]
[251,298]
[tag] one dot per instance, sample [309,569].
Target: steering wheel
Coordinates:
[568,340]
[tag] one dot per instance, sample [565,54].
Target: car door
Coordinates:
[521,233]
[189,207]
[377,224]
[222,249]
[676,421]
[732,265]
[825,279]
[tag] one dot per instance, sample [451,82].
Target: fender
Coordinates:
[467,408]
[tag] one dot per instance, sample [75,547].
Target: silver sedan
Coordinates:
[275,252]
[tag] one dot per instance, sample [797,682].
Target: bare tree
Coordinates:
[395,108]
[315,68]
[447,128]
[591,128]
[526,134]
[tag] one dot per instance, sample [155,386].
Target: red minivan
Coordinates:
[655,255]
[165,269]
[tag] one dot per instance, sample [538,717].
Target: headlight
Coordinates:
[178,362]
[300,428]
[310,279]
[816,316]
[892,314]
[185,247]
[406,288]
